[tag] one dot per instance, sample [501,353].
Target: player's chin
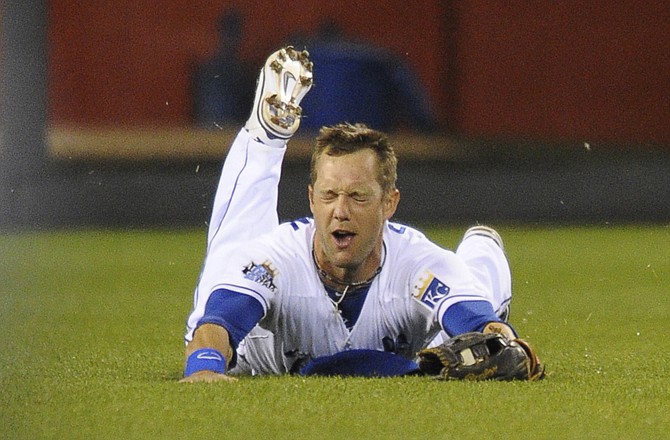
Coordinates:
[345,258]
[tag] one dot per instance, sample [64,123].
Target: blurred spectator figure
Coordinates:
[356,82]
[223,86]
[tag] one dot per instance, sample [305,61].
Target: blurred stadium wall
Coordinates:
[546,112]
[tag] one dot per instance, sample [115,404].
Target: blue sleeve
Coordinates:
[468,316]
[236,312]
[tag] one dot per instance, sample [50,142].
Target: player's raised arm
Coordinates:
[223,316]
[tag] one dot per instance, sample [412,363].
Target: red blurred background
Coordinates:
[572,70]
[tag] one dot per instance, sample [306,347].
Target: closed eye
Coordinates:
[360,197]
[328,195]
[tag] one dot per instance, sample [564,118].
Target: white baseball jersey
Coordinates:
[405,303]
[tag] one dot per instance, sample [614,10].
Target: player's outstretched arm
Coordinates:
[208,355]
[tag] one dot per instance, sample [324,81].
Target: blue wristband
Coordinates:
[205,359]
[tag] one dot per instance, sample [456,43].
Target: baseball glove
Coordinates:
[478,356]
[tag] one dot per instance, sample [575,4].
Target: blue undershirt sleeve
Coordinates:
[236,312]
[468,316]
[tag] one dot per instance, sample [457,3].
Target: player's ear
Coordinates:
[310,195]
[391,203]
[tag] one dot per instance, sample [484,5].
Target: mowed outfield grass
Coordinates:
[92,325]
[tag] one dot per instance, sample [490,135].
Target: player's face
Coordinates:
[349,210]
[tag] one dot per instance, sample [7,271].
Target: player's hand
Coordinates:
[499,327]
[208,377]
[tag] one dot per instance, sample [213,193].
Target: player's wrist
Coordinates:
[205,359]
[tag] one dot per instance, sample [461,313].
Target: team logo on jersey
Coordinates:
[430,290]
[262,274]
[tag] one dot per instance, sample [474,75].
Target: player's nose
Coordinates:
[341,208]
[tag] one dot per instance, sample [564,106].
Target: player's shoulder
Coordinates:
[293,234]
[300,228]
[296,234]
[300,224]
[403,235]
[287,246]
[409,243]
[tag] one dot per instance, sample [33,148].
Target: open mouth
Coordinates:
[343,238]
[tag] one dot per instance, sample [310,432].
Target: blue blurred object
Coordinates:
[360,363]
[350,86]
[354,82]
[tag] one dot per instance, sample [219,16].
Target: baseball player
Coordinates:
[343,286]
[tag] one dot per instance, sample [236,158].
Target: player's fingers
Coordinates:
[208,377]
[499,327]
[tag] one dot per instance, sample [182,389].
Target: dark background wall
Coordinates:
[548,112]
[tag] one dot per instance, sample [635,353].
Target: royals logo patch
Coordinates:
[261,274]
[430,290]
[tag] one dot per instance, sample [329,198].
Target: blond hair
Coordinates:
[346,138]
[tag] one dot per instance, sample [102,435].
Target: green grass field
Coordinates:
[92,326]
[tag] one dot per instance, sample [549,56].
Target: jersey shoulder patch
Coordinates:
[430,290]
[262,274]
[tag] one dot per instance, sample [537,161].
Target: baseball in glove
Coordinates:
[478,356]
